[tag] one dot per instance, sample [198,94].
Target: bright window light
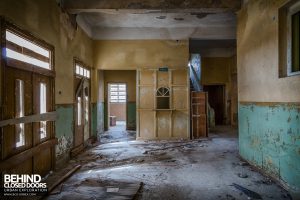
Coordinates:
[43,103]
[27,44]
[20,128]
[15,55]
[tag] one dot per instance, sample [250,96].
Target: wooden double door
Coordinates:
[82,113]
[27,147]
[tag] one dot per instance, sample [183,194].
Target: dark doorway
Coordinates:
[216,100]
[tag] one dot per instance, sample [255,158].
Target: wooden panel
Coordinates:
[163,124]
[9,137]
[146,77]
[24,168]
[199,126]
[147,125]
[51,116]
[42,162]
[78,129]
[146,97]
[26,155]
[199,114]
[28,67]
[162,79]
[179,77]
[180,97]
[86,110]
[180,124]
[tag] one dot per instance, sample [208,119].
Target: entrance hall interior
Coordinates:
[152,99]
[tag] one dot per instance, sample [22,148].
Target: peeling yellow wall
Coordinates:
[45,20]
[128,54]
[215,70]
[257,55]
[101,86]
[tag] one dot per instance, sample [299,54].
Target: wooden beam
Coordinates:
[10,62]
[67,175]
[50,116]
[25,51]
[21,157]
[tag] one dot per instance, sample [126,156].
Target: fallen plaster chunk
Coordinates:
[110,189]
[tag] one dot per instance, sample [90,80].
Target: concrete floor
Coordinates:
[118,133]
[199,169]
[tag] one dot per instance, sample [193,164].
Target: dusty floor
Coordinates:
[200,169]
[117,133]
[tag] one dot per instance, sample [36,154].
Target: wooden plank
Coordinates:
[199,114]
[10,62]
[67,175]
[25,51]
[50,116]
[23,156]
[76,150]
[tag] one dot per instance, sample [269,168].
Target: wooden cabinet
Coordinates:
[162,104]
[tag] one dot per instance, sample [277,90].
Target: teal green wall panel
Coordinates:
[100,117]
[64,129]
[269,137]
[94,119]
[131,116]
[105,111]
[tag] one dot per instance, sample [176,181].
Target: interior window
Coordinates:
[79,111]
[117,93]
[43,103]
[81,71]
[163,98]
[21,49]
[20,128]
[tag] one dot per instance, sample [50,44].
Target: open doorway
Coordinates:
[117,98]
[216,99]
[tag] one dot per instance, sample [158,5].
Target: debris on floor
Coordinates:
[249,193]
[168,170]
[242,175]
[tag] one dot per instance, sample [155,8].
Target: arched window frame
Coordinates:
[163,98]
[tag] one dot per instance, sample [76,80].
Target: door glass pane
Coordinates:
[43,103]
[78,111]
[81,71]
[20,128]
[86,109]
[77,69]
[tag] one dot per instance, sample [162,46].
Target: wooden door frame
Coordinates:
[77,149]
[108,103]
[7,62]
